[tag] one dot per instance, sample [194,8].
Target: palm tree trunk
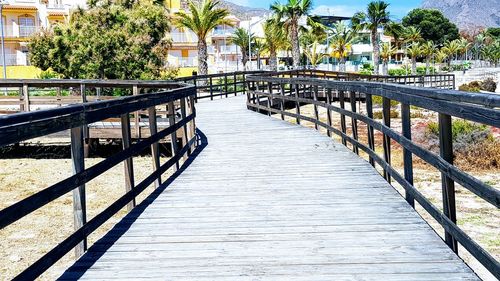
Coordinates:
[427,65]
[376,52]
[273,61]
[202,57]
[244,58]
[384,67]
[414,65]
[342,64]
[295,43]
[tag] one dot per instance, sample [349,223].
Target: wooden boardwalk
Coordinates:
[269,200]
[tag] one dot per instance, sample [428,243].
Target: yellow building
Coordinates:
[22,18]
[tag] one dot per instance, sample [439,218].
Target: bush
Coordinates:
[378,101]
[379,115]
[367,69]
[49,74]
[489,85]
[397,72]
[468,88]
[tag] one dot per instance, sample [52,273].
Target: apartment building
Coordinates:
[22,18]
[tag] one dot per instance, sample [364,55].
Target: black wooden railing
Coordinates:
[271,94]
[179,100]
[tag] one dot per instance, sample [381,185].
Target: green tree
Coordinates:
[290,13]
[493,32]
[313,54]
[376,16]
[107,41]
[433,25]
[451,49]
[241,38]
[341,43]
[414,51]
[275,39]
[428,51]
[396,31]
[386,52]
[202,18]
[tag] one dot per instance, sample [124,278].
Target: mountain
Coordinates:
[467,14]
[241,12]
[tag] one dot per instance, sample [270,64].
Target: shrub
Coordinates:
[378,101]
[489,85]
[49,74]
[397,72]
[379,115]
[467,88]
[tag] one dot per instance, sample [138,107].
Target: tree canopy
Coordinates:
[111,40]
[432,24]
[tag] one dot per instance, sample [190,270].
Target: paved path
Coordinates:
[269,200]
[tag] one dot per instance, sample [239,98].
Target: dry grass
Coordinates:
[29,238]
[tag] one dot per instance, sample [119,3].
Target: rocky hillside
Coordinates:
[468,14]
[241,12]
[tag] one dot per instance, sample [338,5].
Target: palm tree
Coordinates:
[341,42]
[242,39]
[440,56]
[428,51]
[290,13]
[202,18]
[414,52]
[274,39]
[257,49]
[396,31]
[412,34]
[451,48]
[376,16]
[314,55]
[386,52]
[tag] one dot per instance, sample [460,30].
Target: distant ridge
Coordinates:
[241,12]
[468,14]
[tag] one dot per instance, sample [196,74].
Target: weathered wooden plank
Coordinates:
[79,200]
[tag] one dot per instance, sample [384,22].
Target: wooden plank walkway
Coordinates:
[269,200]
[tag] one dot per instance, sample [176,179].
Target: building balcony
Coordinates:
[19,31]
[228,49]
[183,37]
[13,59]
[223,32]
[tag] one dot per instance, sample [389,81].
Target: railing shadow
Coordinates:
[97,250]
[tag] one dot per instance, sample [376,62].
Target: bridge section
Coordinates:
[263,199]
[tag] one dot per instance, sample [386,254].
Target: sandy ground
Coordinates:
[29,238]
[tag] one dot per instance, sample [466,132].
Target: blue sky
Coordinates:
[398,8]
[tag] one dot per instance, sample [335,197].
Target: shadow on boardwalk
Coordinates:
[98,249]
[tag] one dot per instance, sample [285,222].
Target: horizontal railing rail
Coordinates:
[269,94]
[178,98]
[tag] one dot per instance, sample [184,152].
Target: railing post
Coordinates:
[58,96]
[342,117]
[282,102]
[448,186]
[155,152]
[185,138]
[407,155]
[354,121]
[297,103]
[86,133]
[386,113]
[21,99]
[225,83]
[135,92]
[128,163]
[269,98]
[235,84]
[371,136]
[26,95]
[211,88]
[328,111]
[173,135]
[79,204]
[316,113]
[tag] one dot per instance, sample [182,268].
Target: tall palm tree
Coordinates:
[451,48]
[202,18]
[414,52]
[257,49]
[395,30]
[386,52]
[274,39]
[242,39]
[412,34]
[440,57]
[341,42]
[290,14]
[375,16]
[313,54]
[428,51]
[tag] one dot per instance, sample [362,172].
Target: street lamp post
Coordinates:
[250,24]
[2,3]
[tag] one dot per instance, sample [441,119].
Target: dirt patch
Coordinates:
[29,238]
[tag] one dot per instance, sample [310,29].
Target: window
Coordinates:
[26,26]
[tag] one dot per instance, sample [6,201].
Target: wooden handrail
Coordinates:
[481,108]
[24,126]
